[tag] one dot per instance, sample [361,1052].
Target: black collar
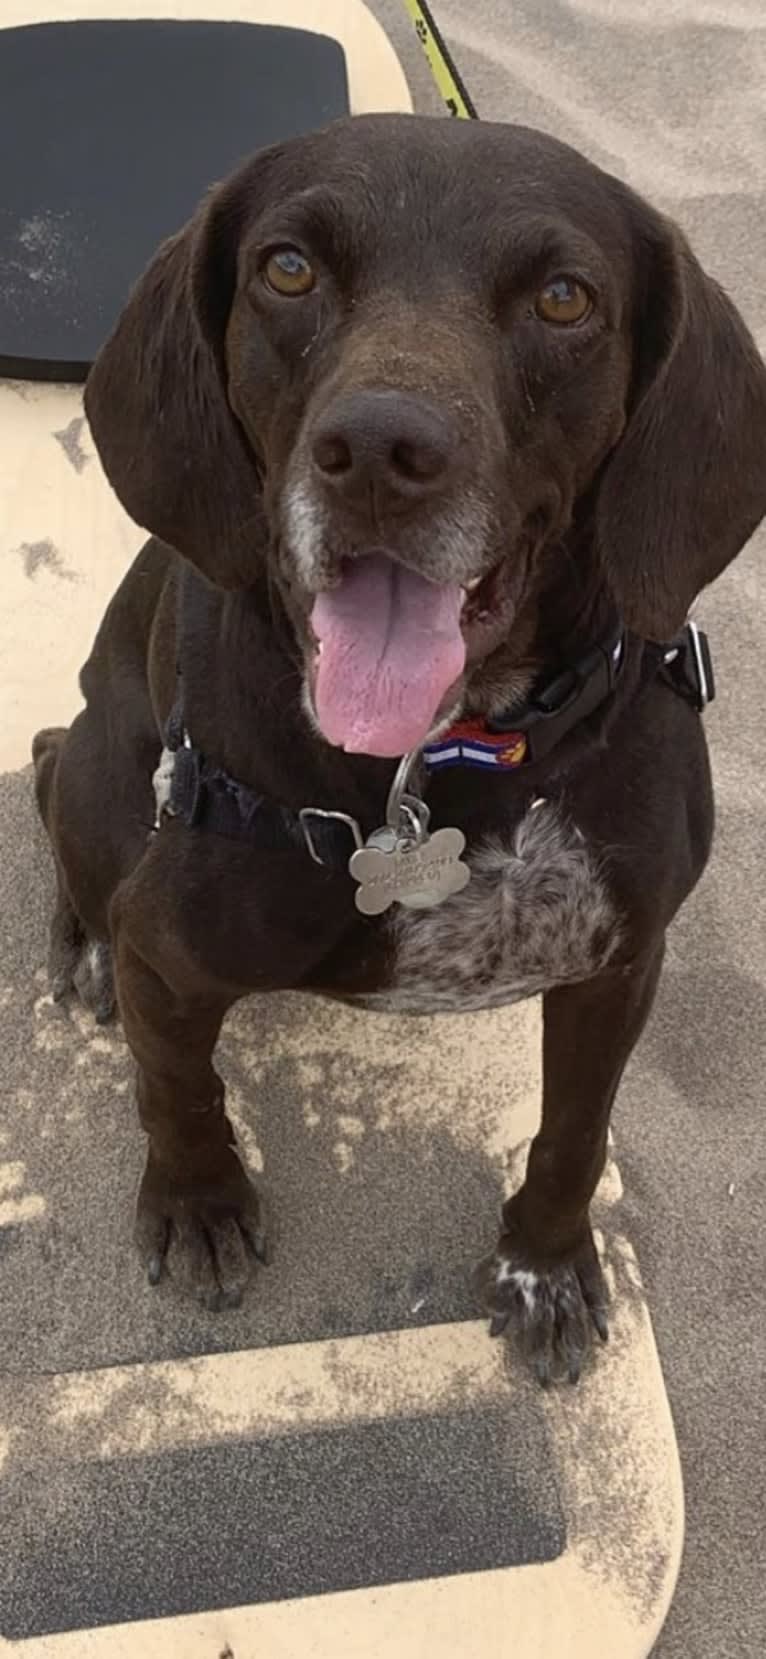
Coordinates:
[190,787]
[529,729]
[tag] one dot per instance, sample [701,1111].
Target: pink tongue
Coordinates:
[391,648]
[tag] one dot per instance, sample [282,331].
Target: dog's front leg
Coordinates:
[198,1213]
[544,1276]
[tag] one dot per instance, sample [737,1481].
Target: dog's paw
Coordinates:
[206,1236]
[82,966]
[551,1309]
[93,980]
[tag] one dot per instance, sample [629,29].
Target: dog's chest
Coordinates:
[536,913]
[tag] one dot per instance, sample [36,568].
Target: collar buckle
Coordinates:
[688,666]
[554,707]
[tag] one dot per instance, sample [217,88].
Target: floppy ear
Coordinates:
[156,400]
[686,485]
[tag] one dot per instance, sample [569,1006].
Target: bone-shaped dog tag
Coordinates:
[417,874]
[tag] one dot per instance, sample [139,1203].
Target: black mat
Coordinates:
[111,132]
[303,1514]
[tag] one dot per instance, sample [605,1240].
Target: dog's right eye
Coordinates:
[289,273]
[564,302]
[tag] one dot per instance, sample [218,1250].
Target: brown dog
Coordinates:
[431,422]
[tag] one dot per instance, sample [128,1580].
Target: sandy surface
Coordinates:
[670,97]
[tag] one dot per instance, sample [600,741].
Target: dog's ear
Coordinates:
[156,400]
[686,485]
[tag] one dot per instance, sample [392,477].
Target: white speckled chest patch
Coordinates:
[536,913]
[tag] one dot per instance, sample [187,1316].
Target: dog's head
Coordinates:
[397,358]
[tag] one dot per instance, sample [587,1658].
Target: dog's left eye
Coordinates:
[563,301]
[289,273]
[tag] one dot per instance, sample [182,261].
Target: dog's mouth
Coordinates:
[390,652]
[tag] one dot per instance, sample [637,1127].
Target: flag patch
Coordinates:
[470,744]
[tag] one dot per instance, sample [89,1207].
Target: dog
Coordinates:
[437,430]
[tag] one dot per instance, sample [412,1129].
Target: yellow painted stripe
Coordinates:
[438,62]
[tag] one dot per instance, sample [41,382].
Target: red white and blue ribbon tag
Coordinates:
[470,744]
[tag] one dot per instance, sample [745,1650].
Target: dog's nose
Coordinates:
[396,443]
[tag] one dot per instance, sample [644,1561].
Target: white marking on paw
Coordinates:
[522,1279]
[528,1284]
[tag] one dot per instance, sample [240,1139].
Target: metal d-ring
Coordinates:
[406,814]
